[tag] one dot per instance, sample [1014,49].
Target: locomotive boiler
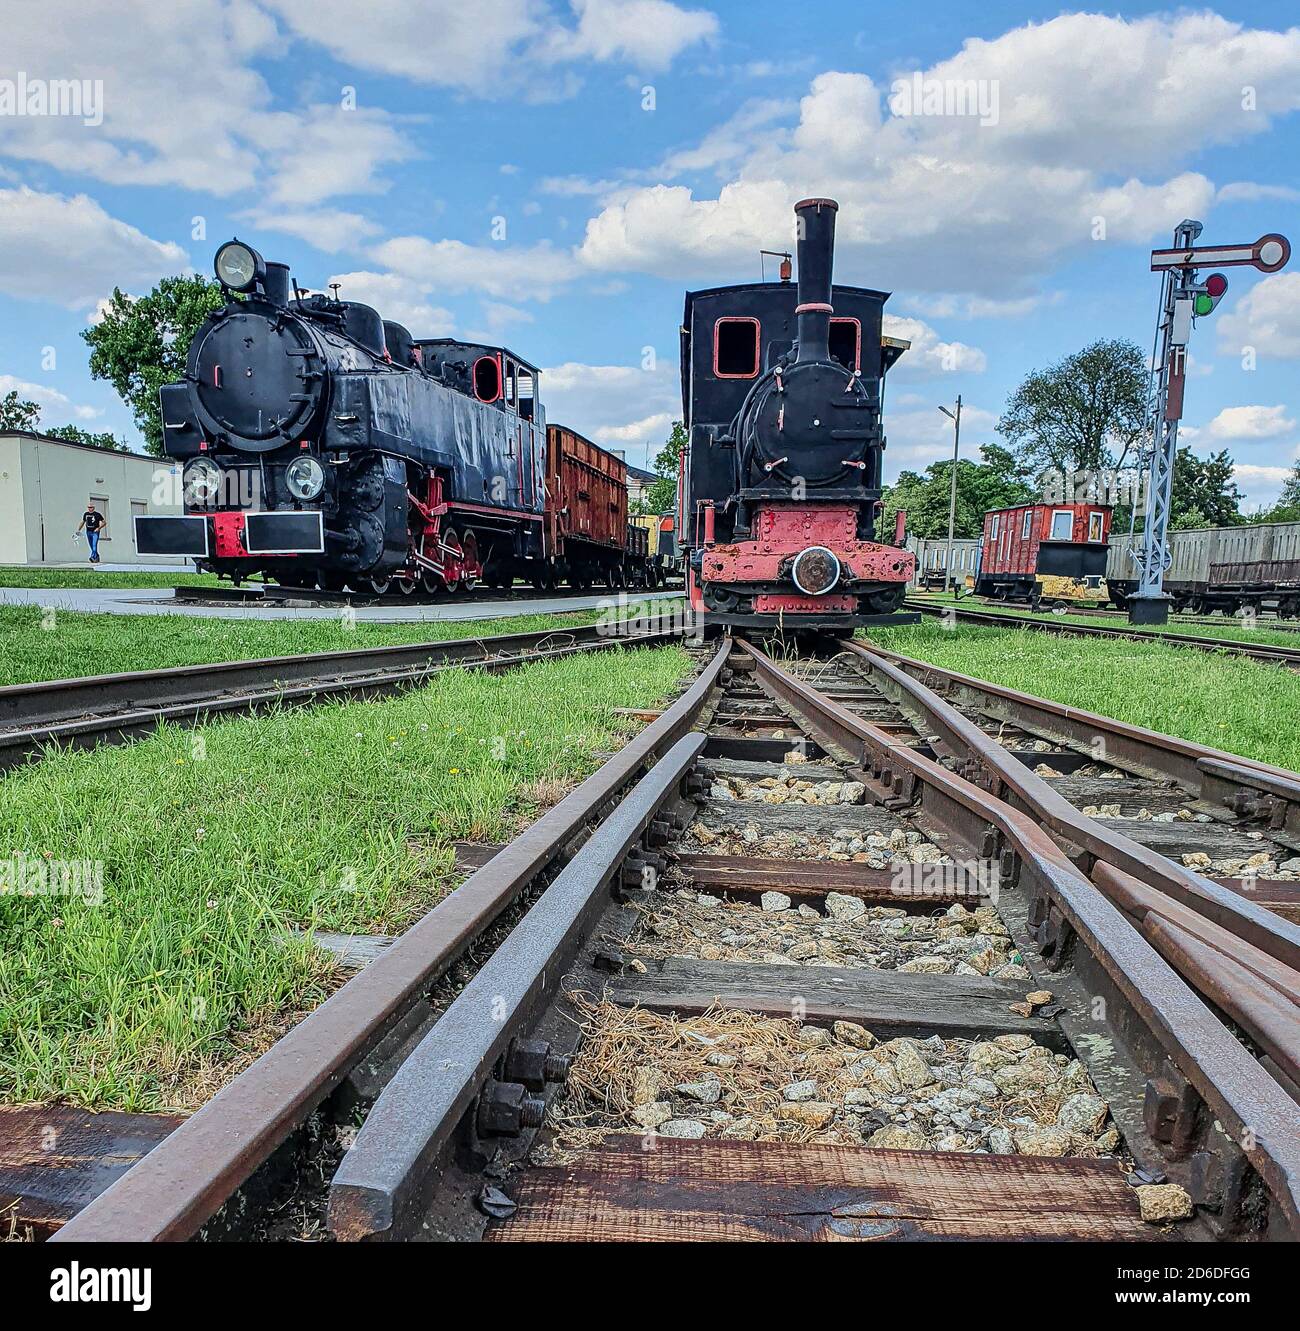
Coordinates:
[781,481]
[322,445]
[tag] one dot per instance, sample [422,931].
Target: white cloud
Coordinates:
[1247,191]
[1267,318]
[70,251]
[55,407]
[1252,422]
[929,355]
[1262,485]
[397,299]
[183,105]
[532,272]
[499,319]
[1087,104]
[917,438]
[496,47]
[617,405]
[328,229]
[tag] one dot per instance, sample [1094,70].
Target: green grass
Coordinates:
[1246,707]
[213,842]
[24,575]
[37,644]
[1228,630]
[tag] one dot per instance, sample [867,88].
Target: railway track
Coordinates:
[106,708]
[1285,656]
[817,955]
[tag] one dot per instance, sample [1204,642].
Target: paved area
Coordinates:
[148,601]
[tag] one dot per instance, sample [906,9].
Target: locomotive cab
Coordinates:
[783,391]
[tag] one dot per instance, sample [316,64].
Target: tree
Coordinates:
[1204,487]
[997,482]
[75,435]
[141,344]
[18,414]
[661,495]
[1083,413]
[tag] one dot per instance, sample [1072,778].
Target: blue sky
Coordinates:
[554,173]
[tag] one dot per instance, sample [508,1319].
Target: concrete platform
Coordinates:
[147,601]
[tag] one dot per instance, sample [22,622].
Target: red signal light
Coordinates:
[1216,284]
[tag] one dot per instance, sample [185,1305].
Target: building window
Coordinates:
[1062,524]
[735,348]
[846,343]
[1094,526]
[1028,525]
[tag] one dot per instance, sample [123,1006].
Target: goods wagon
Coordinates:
[1044,552]
[1231,569]
[932,558]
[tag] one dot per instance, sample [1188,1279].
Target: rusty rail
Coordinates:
[182,1183]
[1287,656]
[99,708]
[1250,1103]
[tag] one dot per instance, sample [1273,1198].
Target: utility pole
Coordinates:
[955,417]
[1183,297]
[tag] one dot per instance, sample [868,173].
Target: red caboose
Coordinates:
[1052,552]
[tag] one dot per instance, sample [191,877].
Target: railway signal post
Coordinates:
[1184,297]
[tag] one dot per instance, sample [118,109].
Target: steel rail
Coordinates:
[100,708]
[1004,773]
[184,1180]
[1288,656]
[1208,774]
[1250,1103]
[379,1187]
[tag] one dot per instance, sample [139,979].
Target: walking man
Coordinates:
[93,523]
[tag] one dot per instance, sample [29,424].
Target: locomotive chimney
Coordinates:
[816,243]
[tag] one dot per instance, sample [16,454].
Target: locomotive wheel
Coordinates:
[379,586]
[407,586]
[431,584]
[469,546]
[617,576]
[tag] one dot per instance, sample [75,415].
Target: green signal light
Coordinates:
[1204,303]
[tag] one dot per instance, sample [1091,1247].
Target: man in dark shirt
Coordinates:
[93,523]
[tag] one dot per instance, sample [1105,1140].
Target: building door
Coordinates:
[101,504]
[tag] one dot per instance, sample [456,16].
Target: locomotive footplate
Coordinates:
[813,623]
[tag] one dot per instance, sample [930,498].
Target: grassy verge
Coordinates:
[1229,629]
[212,843]
[1246,707]
[24,575]
[36,644]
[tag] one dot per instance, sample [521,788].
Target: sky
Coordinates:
[554,174]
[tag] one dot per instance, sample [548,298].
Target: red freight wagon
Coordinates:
[1052,552]
[586,510]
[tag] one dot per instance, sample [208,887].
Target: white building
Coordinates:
[45,485]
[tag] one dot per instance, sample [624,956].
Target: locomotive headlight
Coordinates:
[305,477]
[237,265]
[201,482]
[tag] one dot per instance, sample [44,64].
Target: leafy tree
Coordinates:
[18,414]
[141,344]
[999,481]
[661,495]
[1204,486]
[74,435]
[1084,412]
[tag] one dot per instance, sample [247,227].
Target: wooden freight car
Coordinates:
[1045,552]
[589,540]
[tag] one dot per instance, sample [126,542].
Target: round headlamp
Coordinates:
[201,481]
[238,265]
[305,477]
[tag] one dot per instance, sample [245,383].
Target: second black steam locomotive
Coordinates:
[323,444]
[781,484]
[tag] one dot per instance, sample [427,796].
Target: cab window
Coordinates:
[846,343]
[1094,526]
[487,379]
[1062,524]
[735,348]
[1028,525]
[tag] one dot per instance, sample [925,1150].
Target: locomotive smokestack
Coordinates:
[816,243]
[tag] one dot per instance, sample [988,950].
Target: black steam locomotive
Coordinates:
[323,445]
[781,482]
